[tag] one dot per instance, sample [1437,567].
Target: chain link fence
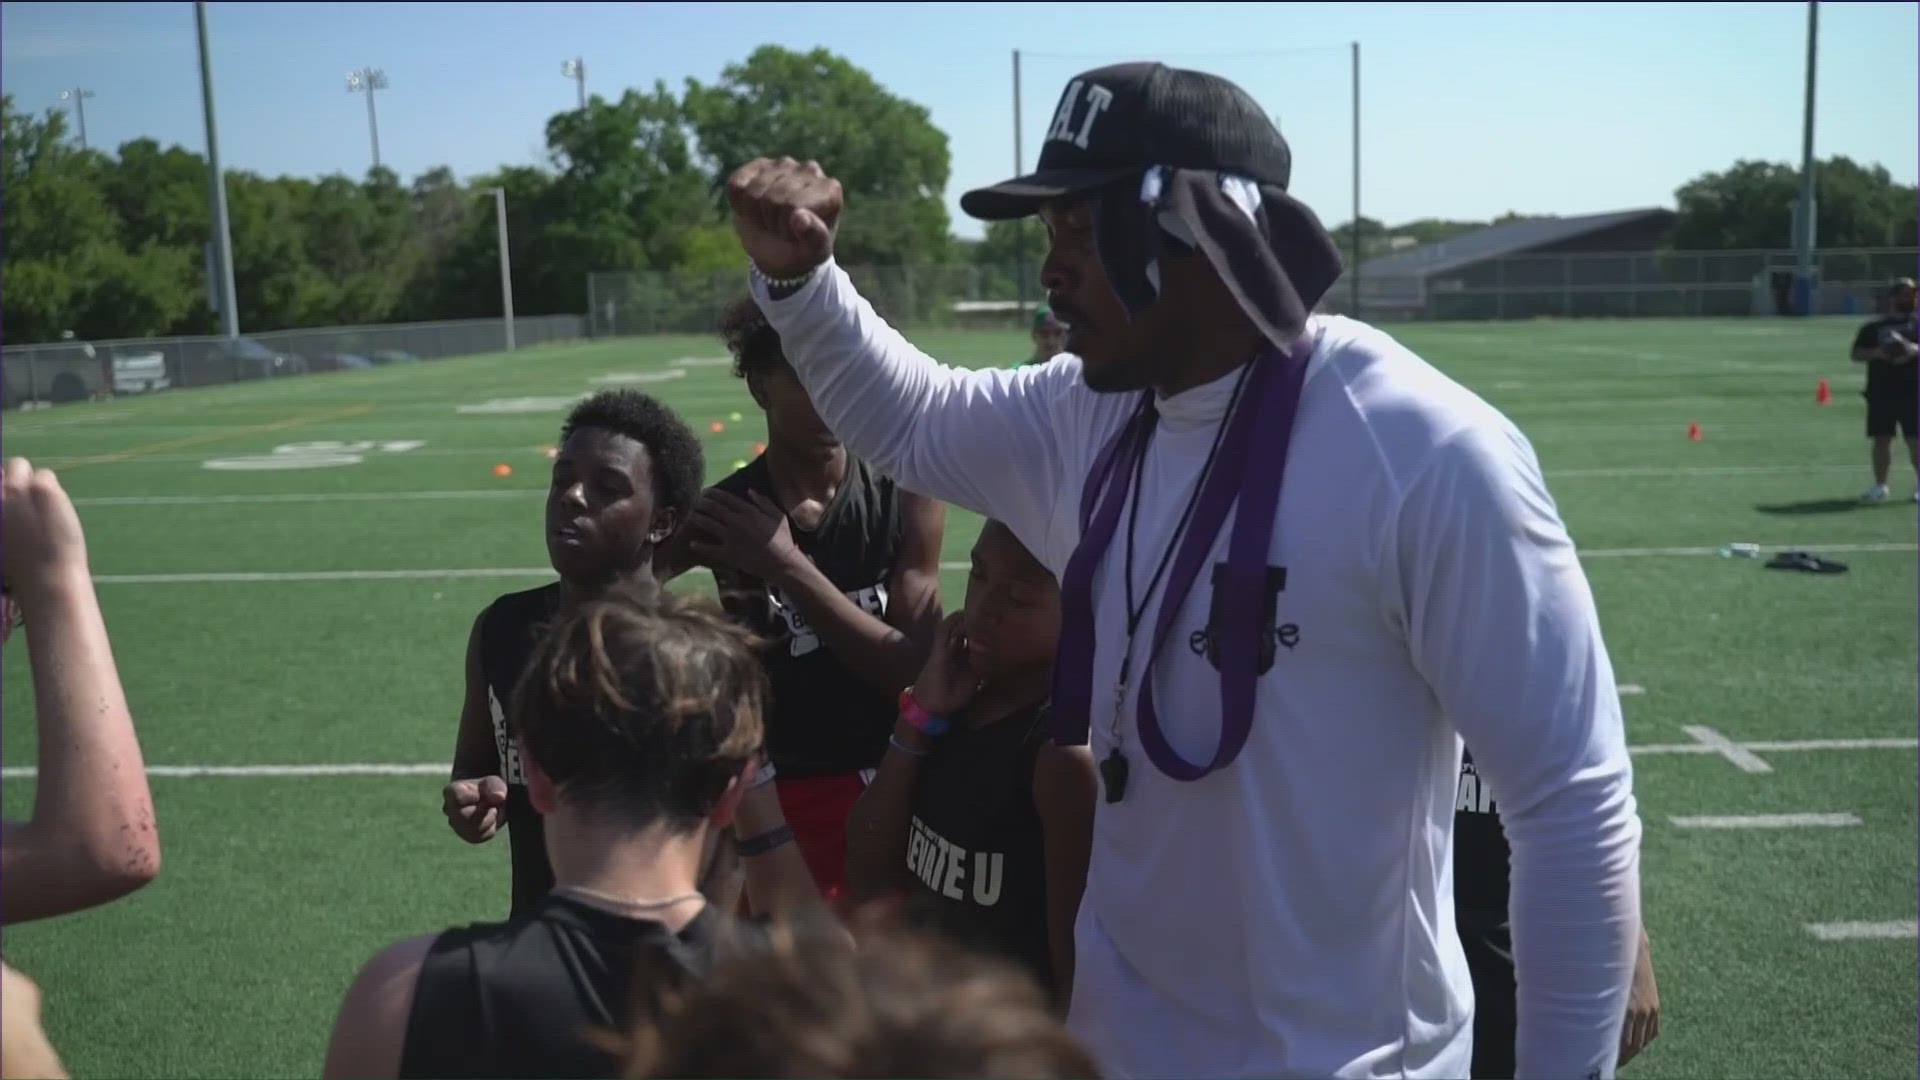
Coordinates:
[958,295]
[1677,284]
[1671,284]
[84,370]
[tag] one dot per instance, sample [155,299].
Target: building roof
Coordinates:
[1497,241]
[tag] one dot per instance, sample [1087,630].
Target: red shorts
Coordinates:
[817,809]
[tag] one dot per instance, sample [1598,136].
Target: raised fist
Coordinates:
[786,214]
[42,541]
[475,808]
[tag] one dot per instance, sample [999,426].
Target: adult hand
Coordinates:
[41,543]
[947,684]
[1643,1005]
[475,808]
[786,214]
[749,535]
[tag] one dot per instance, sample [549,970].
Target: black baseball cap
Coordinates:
[1125,119]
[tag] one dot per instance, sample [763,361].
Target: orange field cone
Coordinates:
[759,448]
[503,470]
[1693,432]
[1824,394]
[718,427]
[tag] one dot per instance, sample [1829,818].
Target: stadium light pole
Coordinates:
[79,97]
[1020,227]
[576,69]
[506,262]
[222,239]
[1354,273]
[369,80]
[1803,220]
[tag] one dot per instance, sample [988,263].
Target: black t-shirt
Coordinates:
[826,720]
[976,852]
[518,999]
[1890,376]
[1480,852]
[509,629]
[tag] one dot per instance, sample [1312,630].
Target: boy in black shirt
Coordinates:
[839,569]
[638,729]
[626,474]
[985,827]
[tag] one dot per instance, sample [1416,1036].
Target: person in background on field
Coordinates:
[1481,896]
[1276,705]
[1049,338]
[638,725]
[901,1004]
[839,570]
[626,474]
[92,837]
[981,824]
[1889,347]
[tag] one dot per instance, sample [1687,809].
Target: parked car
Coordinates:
[224,360]
[78,371]
[336,362]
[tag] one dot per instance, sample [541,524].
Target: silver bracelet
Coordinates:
[894,741]
[773,283]
[763,777]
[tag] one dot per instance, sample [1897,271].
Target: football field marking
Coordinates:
[439,768]
[150,449]
[1855,931]
[1709,741]
[429,573]
[1742,758]
[1767,821]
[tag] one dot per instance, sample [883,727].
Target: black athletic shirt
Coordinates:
[1479,847]
[826,720]
[517,999]
[1885,376]
[976,852]
[509,629]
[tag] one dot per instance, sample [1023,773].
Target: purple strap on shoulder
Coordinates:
[1249,471]
[1073,660]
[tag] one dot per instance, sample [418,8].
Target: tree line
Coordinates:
[107,245]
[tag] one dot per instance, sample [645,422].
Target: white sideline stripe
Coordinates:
[266,577]
[1767,821]
[313,575]
[1777,747]
[310,497]
[1849,931]
[438,768]
[1630,689]
[1744,759]
[498,492]
[1642,553]
[431,768]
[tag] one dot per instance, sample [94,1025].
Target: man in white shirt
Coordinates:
[1274,675]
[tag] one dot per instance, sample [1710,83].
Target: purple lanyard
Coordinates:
[1251,465]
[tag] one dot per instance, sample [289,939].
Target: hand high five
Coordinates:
[786,214]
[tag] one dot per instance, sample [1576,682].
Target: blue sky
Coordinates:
[1468,110]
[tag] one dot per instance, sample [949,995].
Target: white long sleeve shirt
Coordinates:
[1292,913]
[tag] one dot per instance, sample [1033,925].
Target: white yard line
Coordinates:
[1743,759]
[269,577]
[1767,821]
[514,452]
[309,497]
[1854,931]
[438,768]
[431,768]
